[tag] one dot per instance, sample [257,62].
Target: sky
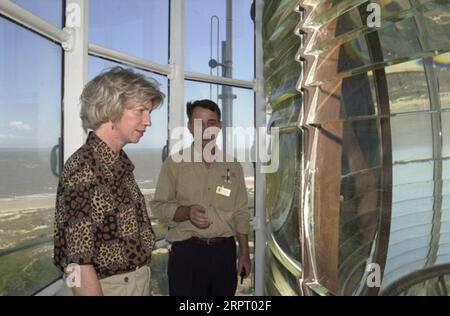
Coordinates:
[30,80]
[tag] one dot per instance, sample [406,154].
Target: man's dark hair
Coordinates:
[206,104]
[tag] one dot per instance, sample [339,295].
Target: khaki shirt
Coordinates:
[189,183]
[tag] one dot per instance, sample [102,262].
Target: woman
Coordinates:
[103,235]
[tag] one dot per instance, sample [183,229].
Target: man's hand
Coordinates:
[244,255]
[244,262]
[198,217]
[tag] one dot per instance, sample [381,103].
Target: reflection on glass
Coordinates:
[441,65]
[28,271]
[286,113]
[277,280]
[283,187]
[49,10]
[360,200]
[283,196]
[30,127]
[403,221]
[411,137]
[437,286]
[136,27]
[159,282]
[417,189]
[408,89]
[446,136]
[418,221]
[206,35]
[353,54]
[417,34]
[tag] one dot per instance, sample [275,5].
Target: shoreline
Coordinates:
[40,201]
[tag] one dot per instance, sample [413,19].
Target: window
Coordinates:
[49,10]
[30,128]
[111,22]
[205,25]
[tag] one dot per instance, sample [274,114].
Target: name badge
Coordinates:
[223,191]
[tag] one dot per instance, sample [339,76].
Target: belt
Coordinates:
[209,241]
[131,269]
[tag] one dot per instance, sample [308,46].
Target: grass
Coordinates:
[27,271]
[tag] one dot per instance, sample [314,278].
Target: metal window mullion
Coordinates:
[220,80]
[260,180]
[120,57]
[75,75]
[176,61]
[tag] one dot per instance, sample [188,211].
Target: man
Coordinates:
[204,204]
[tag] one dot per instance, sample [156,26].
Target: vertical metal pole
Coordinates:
[227,71]
[176,60]
[75,75]
[260,180]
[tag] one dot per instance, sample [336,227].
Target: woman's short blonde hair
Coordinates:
[105,97]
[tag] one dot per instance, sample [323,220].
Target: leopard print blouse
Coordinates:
[101,217]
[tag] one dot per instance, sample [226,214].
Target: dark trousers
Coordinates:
[197,269]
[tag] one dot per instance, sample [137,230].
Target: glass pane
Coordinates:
[408,87]
[49,10]
[418,34]
[26,272]
[446,134]
[441,65]
[360,199]
[411,137]
[206,25]
[159,282]
[136,27]
[146,155]
[353,148]
[283,198]
[278,281]
[414,192]
[417,190]
[30,128]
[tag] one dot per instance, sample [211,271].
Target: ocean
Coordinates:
[27,172]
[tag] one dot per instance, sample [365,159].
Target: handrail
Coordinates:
[120,57]
[160,243]
[27,19]
[220,80]
[26,245]
[415,277]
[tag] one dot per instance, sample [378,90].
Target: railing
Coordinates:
[402,285]
[26,245]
